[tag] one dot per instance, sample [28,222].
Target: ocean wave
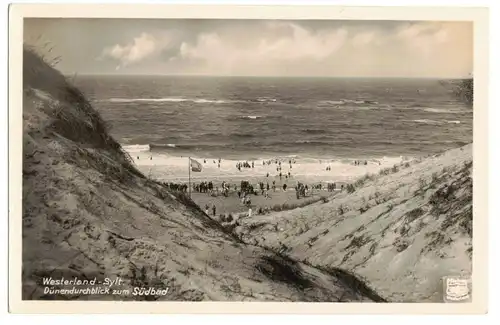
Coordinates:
[359,101]
[441,111]
[136,147]
[162,145]
[245,117]
[265,99]
[426,121]
[272,146]
[243,135]
[168,99]
[348,101]
[434,122]
[313,131]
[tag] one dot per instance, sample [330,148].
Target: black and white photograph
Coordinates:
[247,160]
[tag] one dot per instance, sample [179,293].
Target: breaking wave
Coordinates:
[426,121]
[314,131]
[136,147]
[348,101]
[168,99]
[434,122]
[442,111]
[245,117]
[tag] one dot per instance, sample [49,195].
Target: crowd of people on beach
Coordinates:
[246,188]
[203,187]
[244,164]
[218,161]
[177,187]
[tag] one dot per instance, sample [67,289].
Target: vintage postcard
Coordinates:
[248,159]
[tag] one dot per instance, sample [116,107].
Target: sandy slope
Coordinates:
[401,232]
[87,212]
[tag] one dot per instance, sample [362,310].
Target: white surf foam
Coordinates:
[167,99]
[426,121]
[136,148]
[440,110]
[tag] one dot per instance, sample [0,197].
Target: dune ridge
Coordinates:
[400,230]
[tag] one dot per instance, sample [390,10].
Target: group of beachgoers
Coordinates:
[246,188]
[177,187]
[332,187]
[214,161]
[207,210]
[359,163]
[277,162]
[244,164]
[203,187]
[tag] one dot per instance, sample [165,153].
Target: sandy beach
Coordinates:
[312,172]
[168,168]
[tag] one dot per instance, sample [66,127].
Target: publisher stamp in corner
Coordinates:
[457,289]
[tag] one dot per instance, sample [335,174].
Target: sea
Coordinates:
[259,118]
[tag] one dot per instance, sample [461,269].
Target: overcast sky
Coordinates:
[257,48]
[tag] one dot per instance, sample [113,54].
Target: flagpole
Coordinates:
[189,178]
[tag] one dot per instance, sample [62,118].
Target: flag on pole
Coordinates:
[195,166]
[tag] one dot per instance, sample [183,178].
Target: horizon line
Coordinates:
[257,76]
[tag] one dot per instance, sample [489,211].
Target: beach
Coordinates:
[315,173]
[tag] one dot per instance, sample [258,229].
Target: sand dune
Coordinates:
[401,230]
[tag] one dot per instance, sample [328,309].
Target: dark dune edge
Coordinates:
[89,213]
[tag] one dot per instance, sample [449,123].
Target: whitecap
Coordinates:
[136,147]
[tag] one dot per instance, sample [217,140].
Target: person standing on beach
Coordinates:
[284,187]
[213,209]
[206,209]
[280,175]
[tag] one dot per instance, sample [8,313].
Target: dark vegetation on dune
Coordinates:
[462,89]
[465,91]
[81,124]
